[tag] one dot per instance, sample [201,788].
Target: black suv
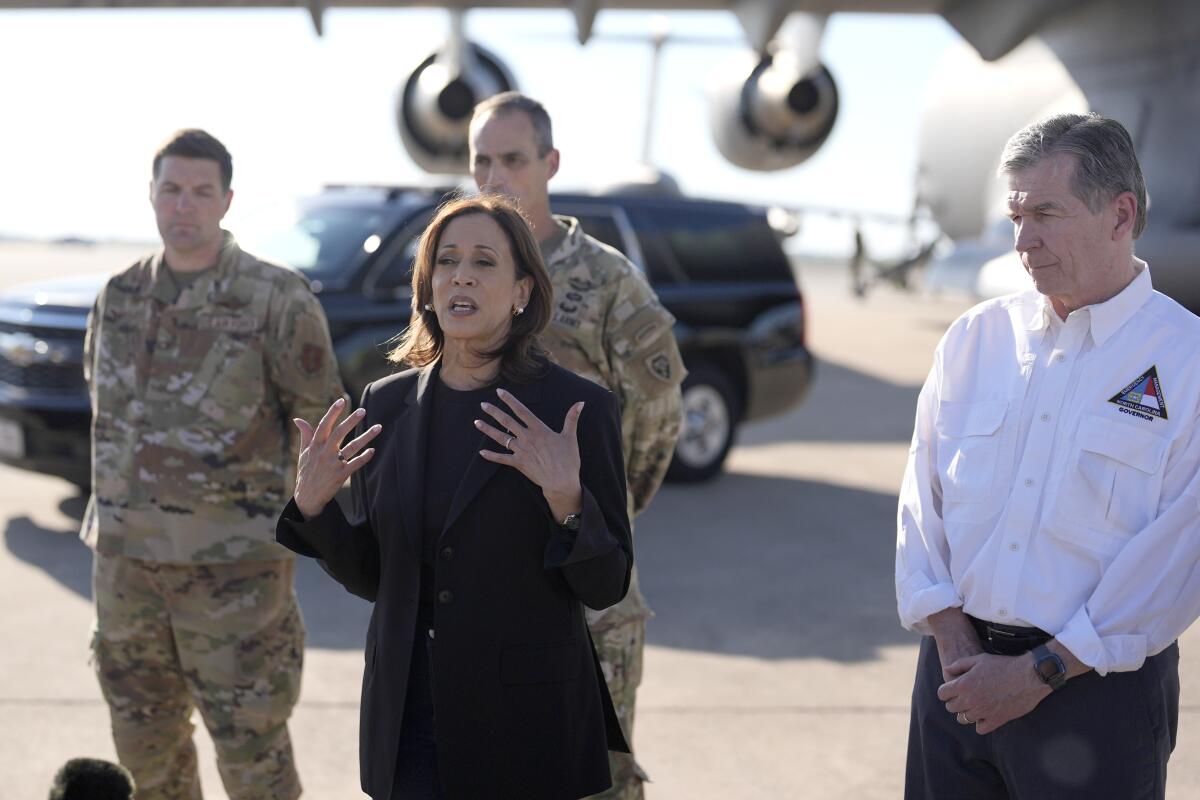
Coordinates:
[718,267]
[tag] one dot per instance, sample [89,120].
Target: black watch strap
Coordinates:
[1049,667]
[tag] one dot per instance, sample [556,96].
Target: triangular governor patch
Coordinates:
[1144,395]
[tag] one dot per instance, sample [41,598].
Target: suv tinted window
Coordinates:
[320,240]
[604,228]
[711,244]
[396,264]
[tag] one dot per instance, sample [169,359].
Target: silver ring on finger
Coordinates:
[508,443]
[963,719]
[341,456]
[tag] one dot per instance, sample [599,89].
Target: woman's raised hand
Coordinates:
[547,457]
[324,466]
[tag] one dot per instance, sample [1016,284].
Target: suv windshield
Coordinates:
[318,240]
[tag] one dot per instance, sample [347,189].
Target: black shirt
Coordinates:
[453,442]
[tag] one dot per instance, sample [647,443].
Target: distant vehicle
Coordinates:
[718,267]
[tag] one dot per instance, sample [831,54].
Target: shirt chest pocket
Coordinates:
[968,449]
[1111,485]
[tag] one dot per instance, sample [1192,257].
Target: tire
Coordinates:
[710,417]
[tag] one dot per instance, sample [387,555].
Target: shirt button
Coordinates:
[1029,481]
[447,553]
[1014,546]
[1003,612]
[445,597]
[1044,417]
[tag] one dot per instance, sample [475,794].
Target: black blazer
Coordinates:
[521,707]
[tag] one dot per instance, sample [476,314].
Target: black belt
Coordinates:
[1007,640]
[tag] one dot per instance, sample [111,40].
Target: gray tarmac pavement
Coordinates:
[775,668]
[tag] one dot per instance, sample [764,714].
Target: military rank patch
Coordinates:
[312,358]
[659,365]
[1143,398]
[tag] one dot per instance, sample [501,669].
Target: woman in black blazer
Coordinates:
[488,510]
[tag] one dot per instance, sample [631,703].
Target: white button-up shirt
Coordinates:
[1054,475]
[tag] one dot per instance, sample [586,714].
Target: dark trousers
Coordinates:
[1094,739]
[416,763]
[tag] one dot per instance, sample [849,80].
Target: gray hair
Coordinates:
[1105,162]
[508,102]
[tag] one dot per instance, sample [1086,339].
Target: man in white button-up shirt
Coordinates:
[1049,520]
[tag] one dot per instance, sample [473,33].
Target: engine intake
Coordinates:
[777,117]
[434,108]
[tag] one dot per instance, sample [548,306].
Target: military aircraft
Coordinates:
[1132,61]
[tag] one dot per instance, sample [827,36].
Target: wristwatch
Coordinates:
[571,522]
[1049,667]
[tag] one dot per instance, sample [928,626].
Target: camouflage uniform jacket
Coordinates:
[192,401]
[609,327]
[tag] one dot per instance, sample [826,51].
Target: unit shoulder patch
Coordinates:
[659,365]
[1143,397]
[312,358]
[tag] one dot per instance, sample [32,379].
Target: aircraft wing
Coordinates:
[992,28]
[806,6]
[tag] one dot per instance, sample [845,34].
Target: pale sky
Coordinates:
[86,97]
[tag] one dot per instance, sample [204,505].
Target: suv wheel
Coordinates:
[710,416]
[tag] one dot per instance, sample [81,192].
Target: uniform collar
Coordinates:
[570,243]
[198,292]
[1104,319]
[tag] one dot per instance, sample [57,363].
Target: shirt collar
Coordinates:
[1104,318]
[1109,316]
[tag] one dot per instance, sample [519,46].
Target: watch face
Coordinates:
[1048,668]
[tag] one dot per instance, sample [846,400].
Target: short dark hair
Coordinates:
[92,779]
[508,102]
[195,143]
[1106,163]
[521,355]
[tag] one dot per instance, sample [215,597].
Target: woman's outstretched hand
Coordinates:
[323,465]
[548,458]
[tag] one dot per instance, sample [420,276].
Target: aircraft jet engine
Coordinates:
[435,103]
[778,116]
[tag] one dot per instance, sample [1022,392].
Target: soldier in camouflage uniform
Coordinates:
[197,359]
[608,326]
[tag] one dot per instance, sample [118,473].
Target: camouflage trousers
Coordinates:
[226,639]
[620,651]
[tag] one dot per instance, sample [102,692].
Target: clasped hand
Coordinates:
[548,458]
[989,691]
[324,466]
